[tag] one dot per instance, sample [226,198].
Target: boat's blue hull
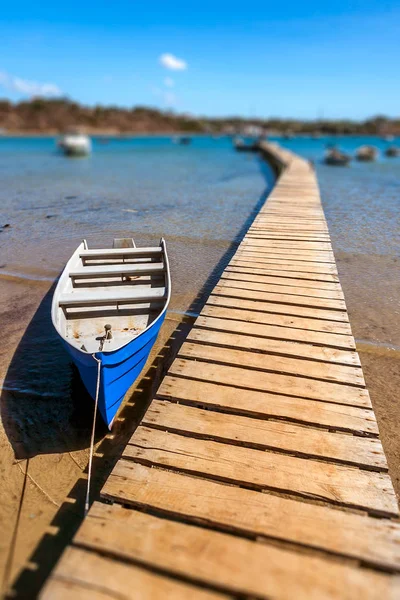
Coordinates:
[119,369]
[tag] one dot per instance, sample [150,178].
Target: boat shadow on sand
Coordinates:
[69,516]
[45,407]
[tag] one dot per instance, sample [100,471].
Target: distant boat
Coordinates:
[241,146]
[108,306]
[184,140]
[388,138]
[392,151]
[75,144]
[367,153]
[336,158]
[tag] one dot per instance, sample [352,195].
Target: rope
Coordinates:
[93,432]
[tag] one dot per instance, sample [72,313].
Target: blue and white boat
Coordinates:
[108,306]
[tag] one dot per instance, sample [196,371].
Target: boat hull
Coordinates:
[118,369]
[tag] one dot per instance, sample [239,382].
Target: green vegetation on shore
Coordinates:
[56,115]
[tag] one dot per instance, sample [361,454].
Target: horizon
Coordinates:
[307,63]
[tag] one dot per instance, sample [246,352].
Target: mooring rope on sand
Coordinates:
[93,433]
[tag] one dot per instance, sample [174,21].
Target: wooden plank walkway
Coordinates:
[257,471]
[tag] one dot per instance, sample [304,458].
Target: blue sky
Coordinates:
[289,59]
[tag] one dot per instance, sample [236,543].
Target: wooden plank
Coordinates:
[82,574]
[245,269]
[274,234]
[152,251]
[258,344]
[112,296]
[268,279]
[374,541]
[287,332]
[113,270]
[281,314]
[266,434]
[319,314]
[189,552]
[232,354]
[234,290]
[305,256]
[259,260]
[266,405]
[299,264]
[293,287]
[326,391]
[340,484]
[287,244]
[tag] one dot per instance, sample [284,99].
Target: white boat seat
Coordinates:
[121,252]
[112,270]
[97,298]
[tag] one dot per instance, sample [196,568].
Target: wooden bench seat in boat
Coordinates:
[120,253]
[87,272]
[97,298]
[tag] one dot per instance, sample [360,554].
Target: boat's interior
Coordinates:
[124,287]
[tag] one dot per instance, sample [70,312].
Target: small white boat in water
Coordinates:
[75,144]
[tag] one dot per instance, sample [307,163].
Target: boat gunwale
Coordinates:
[55,308]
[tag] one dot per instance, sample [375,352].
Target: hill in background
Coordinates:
[57,115]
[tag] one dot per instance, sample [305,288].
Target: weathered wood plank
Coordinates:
[292,287]
[273,346]
[233,289]
[264,278]
[289,385]
[246,268]
[292,329]
[327,371]
[266,434]
[287,244]
[304,256]
[260,260]
[267,405]
[375,541]
[190,552]
[82,574]
[317,313]
[330,482]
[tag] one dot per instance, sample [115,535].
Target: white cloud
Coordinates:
[169,82]
[169,61]
[28,88]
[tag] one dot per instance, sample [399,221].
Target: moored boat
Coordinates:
[336,158]
[75,144]
[108,308]
[367,153]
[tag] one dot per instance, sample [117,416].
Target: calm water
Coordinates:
[197,197]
